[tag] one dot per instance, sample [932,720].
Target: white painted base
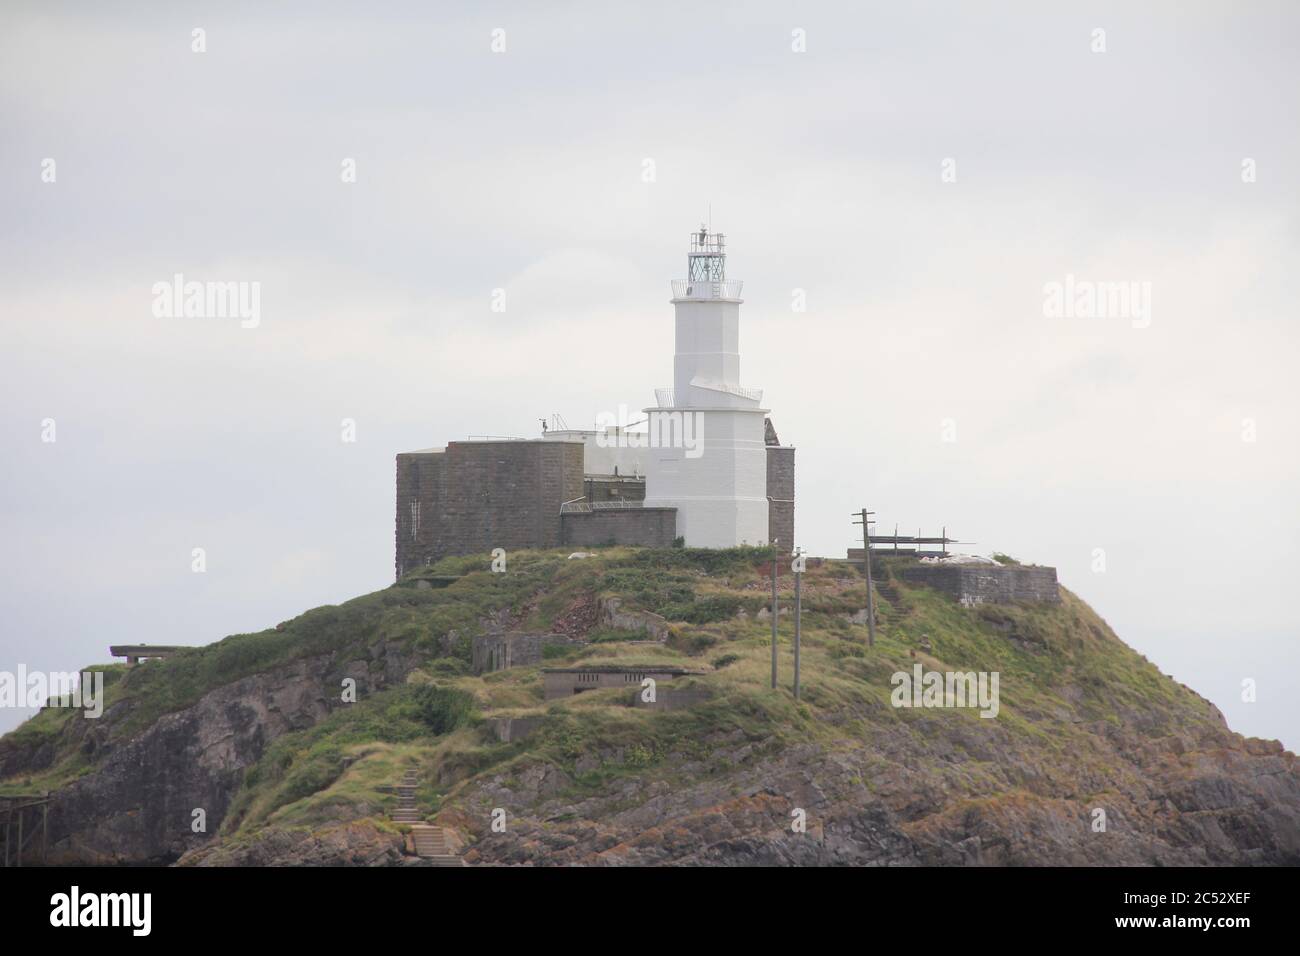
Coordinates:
[721,495]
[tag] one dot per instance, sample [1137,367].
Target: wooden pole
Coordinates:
[798,607]
[774,613]
[871,602]
[864,514]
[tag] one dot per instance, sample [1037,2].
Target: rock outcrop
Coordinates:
[139,803]
[1095,757]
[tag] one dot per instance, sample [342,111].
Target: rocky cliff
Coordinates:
[289,741]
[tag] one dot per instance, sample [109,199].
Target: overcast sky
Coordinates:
[568,170]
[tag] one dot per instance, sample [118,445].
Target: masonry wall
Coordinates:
[985,583]
[644,527]
[495,652]
[476,496]
[614,489]
[419,505]
[780,484]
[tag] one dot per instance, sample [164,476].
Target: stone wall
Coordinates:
[985,583]
[475,496]
[613,489]
[419,502]
[645,527]
[495,652]
[472,497]
[674,698]
[780,484]
[513,729]
[613,615]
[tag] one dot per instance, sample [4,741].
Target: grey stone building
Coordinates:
[473,496]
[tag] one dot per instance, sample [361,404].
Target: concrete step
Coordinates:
[431,844]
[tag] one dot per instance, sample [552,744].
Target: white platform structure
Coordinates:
[707,457]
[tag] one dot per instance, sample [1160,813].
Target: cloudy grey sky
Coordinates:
[525,170]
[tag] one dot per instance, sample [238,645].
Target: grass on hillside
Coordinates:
[437,721]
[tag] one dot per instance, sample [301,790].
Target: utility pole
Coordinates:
[797,567]
[866,564]
[774,613]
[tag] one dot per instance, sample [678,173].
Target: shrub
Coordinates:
[724,660]
[708,560]
[321,768]
[650,589]
[706,611]
[443,709]
[695,643]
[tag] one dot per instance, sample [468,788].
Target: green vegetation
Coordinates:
[443,709]
[1061,669]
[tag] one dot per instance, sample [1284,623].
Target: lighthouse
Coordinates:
[707,455]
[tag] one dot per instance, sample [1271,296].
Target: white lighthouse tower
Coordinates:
[710,462]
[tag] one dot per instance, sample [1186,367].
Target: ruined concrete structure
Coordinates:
[971,584]
[496,652]
[568,681]
[708,468]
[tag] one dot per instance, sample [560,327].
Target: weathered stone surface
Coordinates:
[513,729]
[494,652]
[474,496]
[1230,807]
[354,843]
[137,804]
[613,615]
[638,527]
[780,488]
[972,584]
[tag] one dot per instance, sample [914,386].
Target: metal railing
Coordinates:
[583,507]
[714,243]
[15,811]
[686,289]
[753,394]
[666,397]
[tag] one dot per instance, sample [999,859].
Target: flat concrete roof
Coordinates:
[622,669]
[144,650]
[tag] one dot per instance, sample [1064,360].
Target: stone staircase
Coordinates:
[406,811]
[893,610]
[431,844]
[430,841]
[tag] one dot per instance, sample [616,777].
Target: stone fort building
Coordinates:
[708,468]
